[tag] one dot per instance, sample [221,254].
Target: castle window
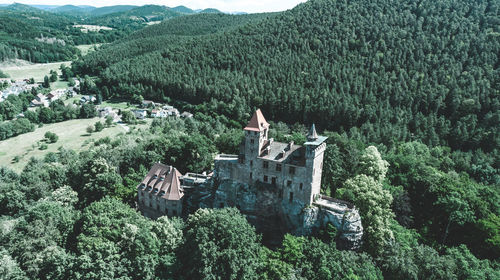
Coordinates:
[251,163]
[252,141]
[300,187]
[291,196]
[288,183]
[278,167]
[175,213]
[250,175]
[265,178]
[166,211]
[265,164]
[273,181]
[292,170]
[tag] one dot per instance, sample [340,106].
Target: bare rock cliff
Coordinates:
[273,216]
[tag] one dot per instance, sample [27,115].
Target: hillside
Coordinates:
[32,34]
[389,71]
[50,35]
[134,19]
[168,33]
[183,9]
[71,10]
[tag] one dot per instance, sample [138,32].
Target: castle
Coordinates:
[275,185]
[294,170]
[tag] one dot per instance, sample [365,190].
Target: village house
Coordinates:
[171,111]
[161,192]
[148,104]
[55,94]
[108,112]
[186,115]
[14,87]
[87,99]
[40,100]
[140,113]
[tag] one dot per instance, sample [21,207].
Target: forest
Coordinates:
[43,36]
[406,91]
[72,216]
[427,70]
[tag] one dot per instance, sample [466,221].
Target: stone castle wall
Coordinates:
[273,216]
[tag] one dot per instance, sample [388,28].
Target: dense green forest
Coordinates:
[50,35]
[388,70]
[135,18]
[406,91]
[71,216]
[34,35]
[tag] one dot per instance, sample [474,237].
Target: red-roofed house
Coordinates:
[161,192]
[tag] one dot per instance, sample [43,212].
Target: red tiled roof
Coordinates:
[164,181]
[257,122]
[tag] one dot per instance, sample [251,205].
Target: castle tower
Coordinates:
[315,148]
[256,133]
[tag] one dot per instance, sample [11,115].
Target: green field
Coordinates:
[117,104]
[72,135]
[25,70]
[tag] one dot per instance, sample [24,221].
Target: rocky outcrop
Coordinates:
[273,216]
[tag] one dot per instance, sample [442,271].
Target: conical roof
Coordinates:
[257,122]
[174,192]
[313,135]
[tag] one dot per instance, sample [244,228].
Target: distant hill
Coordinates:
[21,8]
[385,71]
[45,7]
[183,9]
[112,9]
[211,11]
[164,35]
[76,11]
[135,18]
[35,35]
[198,24]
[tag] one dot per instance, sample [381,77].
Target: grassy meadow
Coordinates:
[25,70]
[72,135]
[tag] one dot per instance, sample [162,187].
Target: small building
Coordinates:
[104,112]
[161,192]
[87,99]
[173,112]
[186,115]
[148,104]
[40,100]
[54,95]
[140,113]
